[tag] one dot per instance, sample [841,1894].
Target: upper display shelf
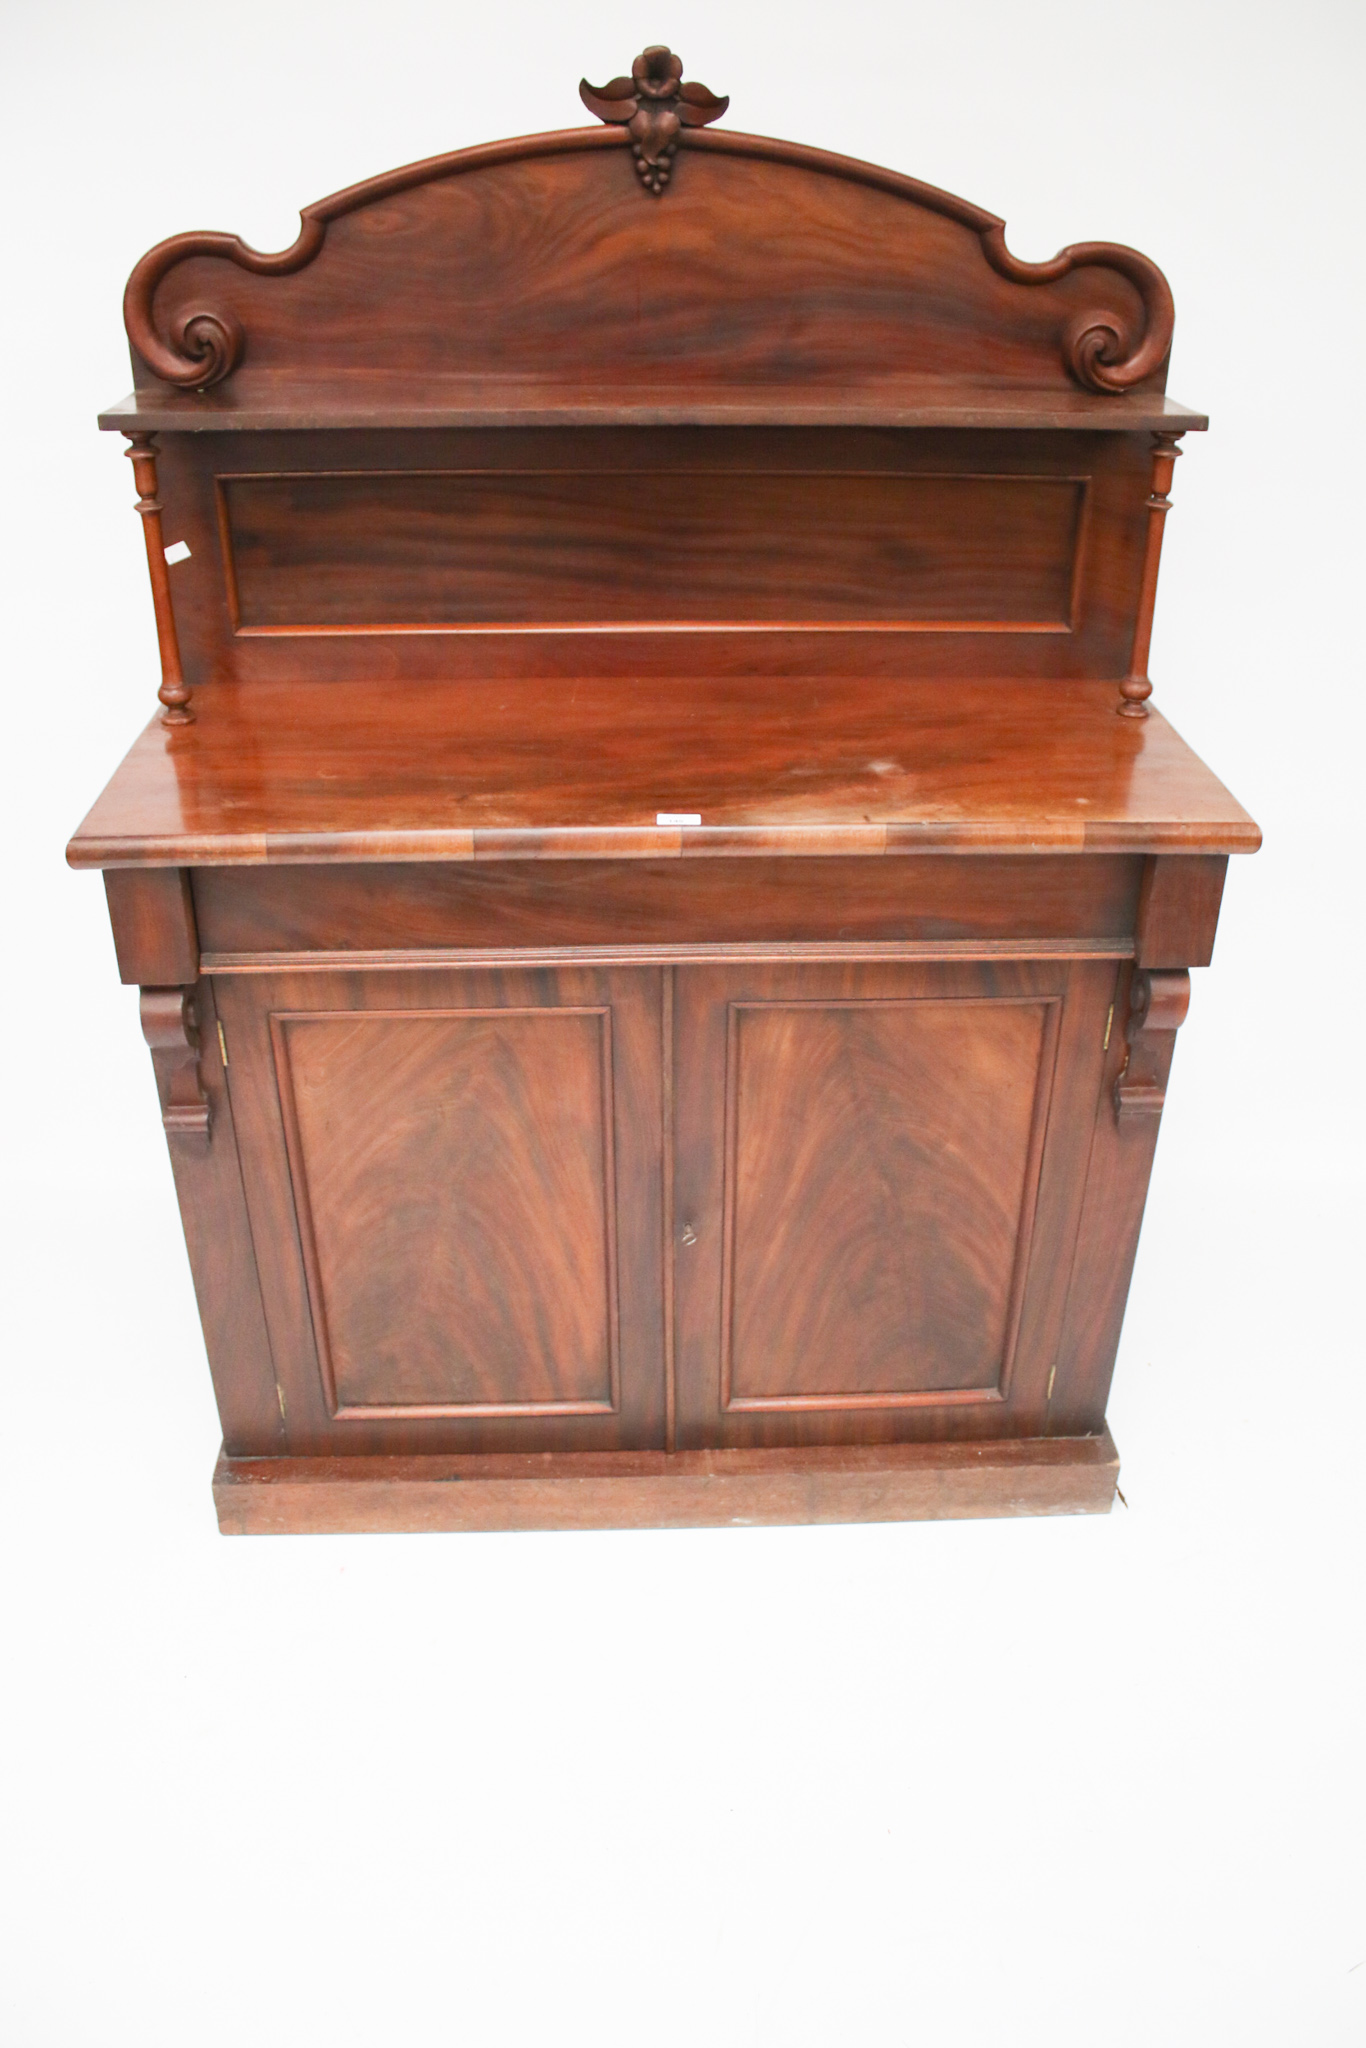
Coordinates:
[652,270]
[296,400]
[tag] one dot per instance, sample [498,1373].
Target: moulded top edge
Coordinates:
[313,405]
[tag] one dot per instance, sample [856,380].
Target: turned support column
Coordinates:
[1136,688]
[174,692]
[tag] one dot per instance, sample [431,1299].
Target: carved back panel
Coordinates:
[624,400]
[543,258]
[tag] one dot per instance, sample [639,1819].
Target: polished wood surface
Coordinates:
[879,1168]
[271,1496]
[268,916]
[454,1184]
[518,553]
[308,401]
[854,1128]
[432,548]
[766,259]
[349,772]
[174,694]
[661,904]
[497,1130]
[151,911]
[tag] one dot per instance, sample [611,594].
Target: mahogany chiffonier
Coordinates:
[661,903]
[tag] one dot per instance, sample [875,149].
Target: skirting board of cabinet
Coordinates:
[659,1490]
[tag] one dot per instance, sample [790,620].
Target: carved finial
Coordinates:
[654,106]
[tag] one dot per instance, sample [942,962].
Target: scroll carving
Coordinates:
[170,1024]
[1097,354]
[654,106]
[1158,1002]
[651,112]
[204,347]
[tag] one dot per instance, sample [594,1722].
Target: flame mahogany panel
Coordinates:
[877,1197]
[632,553]
[541,255]
[400,548]
[455,1196]
[881,1169]
[386,907]
[453,1177]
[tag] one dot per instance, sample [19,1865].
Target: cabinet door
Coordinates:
[879,1175]
[454,1186]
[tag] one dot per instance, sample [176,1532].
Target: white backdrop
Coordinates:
[1064,1782]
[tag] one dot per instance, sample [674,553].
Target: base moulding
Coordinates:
[666,1490]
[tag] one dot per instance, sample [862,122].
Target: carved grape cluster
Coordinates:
[654,106]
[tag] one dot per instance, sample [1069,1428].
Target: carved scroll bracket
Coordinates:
[170,1024]
[654,106]
[1096,353]
[1158,1003]
[1106,347]
[174,692]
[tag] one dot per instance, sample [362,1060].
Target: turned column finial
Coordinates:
[174,692]
[1136,688]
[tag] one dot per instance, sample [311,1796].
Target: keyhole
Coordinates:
[689,1234]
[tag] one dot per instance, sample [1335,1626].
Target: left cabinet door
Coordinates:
[455,1191]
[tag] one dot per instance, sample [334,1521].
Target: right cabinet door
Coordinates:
[878,1178]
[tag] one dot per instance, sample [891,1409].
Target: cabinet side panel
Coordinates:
[213,1210]
[1116,1191]
[1178,909]
[152,915]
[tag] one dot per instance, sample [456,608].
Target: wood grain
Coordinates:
[454,1178]
[855,1131]
[456,1197]
[522,553]
[546,1165]
[638,1490]
[1178,910]
[213,1210]
[883,1208]
[357,772]
[369,400]
[770,258]
[437,548]
[151,911]
[256,914]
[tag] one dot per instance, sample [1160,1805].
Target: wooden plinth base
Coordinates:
[654,1490]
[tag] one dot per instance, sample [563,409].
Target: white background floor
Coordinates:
[1060,1782]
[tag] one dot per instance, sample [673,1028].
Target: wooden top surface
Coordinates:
[303,401]
[309,772]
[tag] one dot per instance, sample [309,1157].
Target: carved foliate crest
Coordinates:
[653,105]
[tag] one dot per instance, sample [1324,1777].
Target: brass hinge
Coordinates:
[223,1043]
[1052,1375]
[1109,1020]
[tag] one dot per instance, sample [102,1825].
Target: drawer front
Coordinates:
[262,916]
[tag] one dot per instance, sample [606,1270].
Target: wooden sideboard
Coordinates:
[662,905]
